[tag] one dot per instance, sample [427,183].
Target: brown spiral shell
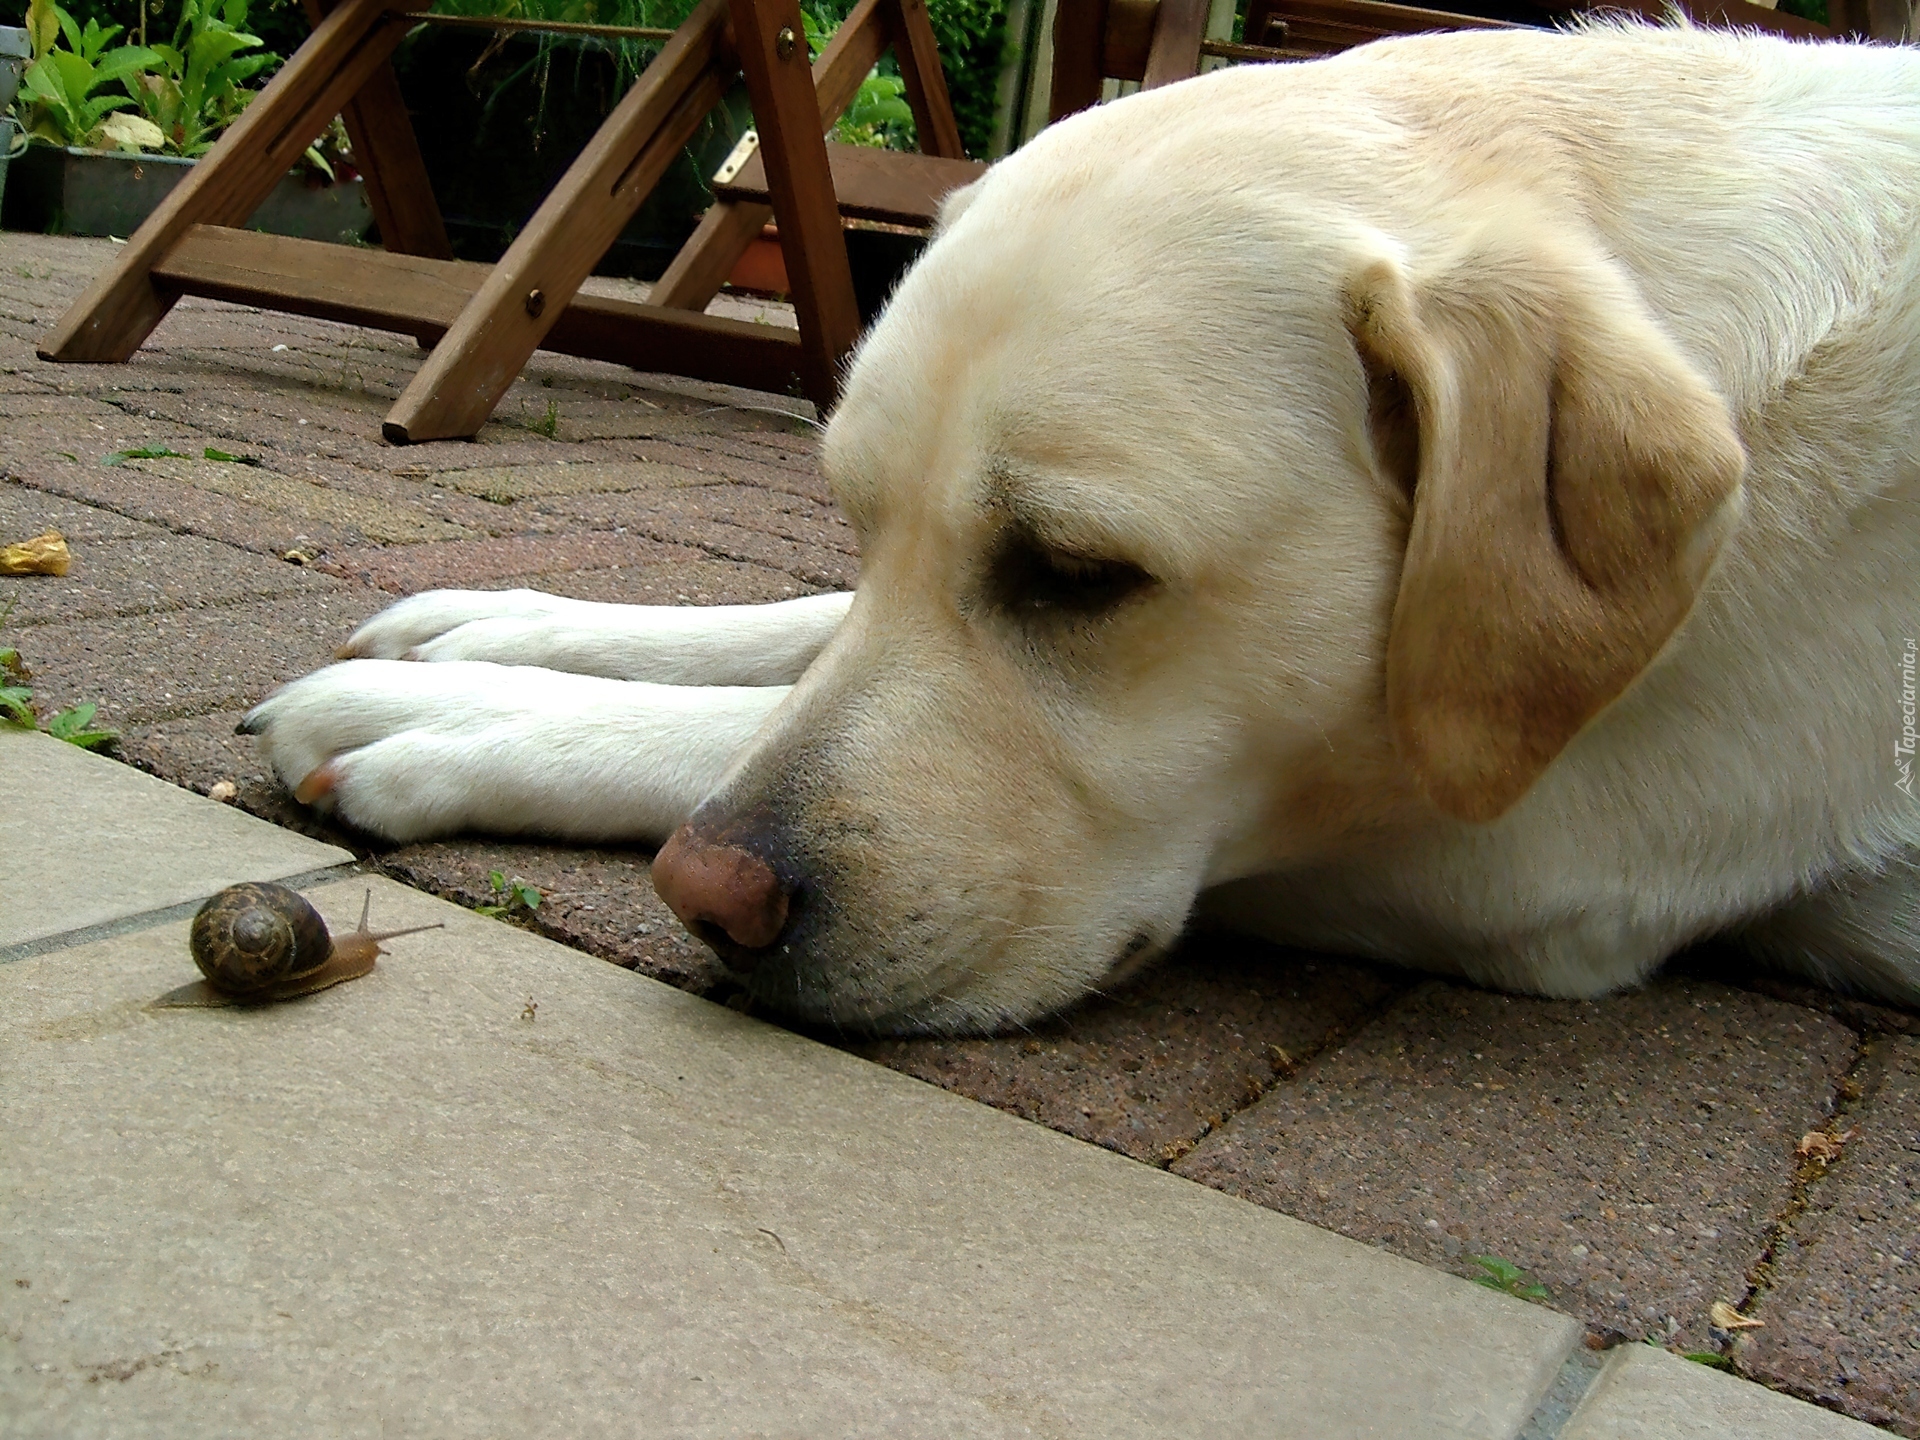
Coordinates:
[251,937]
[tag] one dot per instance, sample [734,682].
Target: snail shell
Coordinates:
[250,938]
[259,941]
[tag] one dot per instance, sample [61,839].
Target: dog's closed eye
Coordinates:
[1027,576]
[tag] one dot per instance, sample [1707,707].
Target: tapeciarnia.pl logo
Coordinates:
[1903,747]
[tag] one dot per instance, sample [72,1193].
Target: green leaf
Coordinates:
[43,26]
[1508,1278]
[528,895]
[142,452]
[212,454]
[124,61]
[1711,1358]
[16,704]
[498,880]
[76,727]
[71,722]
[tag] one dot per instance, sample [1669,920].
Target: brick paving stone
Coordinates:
[629,568]
[131,491]
[1629,1153]
[504,484]
[740,459]
[25,511]
[147,668]
[43,402]
[1151,1068]
[263,508]
[151,572]
[393,521]
[1842,1310]
[734,523]
[598,900]
[697,579]
[88,440]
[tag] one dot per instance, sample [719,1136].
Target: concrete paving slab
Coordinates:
[1842,1317]
[1648,1394]
[419,1202]
[88,840]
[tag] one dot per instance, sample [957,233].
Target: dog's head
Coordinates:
[1210,521]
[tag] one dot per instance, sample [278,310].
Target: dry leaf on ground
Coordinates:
[1822,1146]
[43,555]
[1725,1317]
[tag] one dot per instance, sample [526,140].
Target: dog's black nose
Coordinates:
[723,891]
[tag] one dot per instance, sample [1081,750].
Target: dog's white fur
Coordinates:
[1522,435]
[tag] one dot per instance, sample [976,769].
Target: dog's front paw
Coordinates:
[401,629]
[400,751]
[408,752]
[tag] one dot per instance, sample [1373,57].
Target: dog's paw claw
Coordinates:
[318,784]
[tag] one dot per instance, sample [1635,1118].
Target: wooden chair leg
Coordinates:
[1079,44]
[119,310]
[576,224]
[918,52]
[769,39]
[1178,29]
[702,265]
[387,154]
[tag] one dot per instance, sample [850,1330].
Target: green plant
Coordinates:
[548,424]
[1713,1359]
[972,35]
[58,101]
[142,452]
[514,897]
[1508,1278]
[879,115]
[75,725]
[192,89]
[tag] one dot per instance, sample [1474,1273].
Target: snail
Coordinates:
[259,942]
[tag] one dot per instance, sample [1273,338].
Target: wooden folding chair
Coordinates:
[1305,29]
[1156,42]
[485,322]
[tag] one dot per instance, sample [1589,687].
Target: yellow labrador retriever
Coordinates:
[1456,502]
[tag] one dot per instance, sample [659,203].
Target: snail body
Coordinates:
[258,942]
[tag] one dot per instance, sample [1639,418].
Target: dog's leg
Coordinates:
[666,644]
[1861,935]
[412,751]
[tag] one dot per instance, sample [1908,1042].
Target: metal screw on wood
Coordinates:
[785,42]
[536,302]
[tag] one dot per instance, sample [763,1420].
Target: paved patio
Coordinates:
[1636,1156]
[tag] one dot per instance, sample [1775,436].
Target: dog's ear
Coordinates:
[1572,480]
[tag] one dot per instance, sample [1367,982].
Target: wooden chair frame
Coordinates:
[1156,42]
[484,322]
